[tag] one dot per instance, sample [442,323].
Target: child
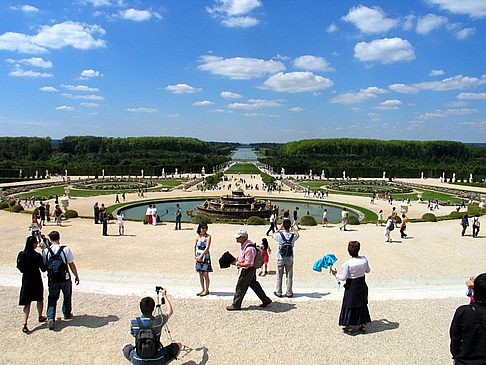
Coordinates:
[380,218]
[266,250]
[35,228]
[470,287]
[121,228]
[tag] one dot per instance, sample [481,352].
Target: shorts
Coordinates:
[164,355]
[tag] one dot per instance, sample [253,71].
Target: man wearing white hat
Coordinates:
[247,276]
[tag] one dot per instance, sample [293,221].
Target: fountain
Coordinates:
[236,205]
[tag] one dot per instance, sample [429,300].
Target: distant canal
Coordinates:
[245,154]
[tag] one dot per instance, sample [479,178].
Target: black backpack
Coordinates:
[146,341]
[56,267]
[287,250]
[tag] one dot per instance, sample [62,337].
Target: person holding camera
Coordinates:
[147,329]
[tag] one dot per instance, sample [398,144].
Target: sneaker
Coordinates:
[68,316]
[50,324]
[277,294]
[232,308]
[265,304]
[289,295]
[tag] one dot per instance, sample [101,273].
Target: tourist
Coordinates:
[48,212]
[148,214]
[324,218]
[247,278]
[273,220]
[344,219]
[389,226]
[470,287]
[403,226]
[42,214]
[203,258]
[123,196]
[96,213]
[121,225]
[468,329]
[464,224]
[29,263]
[285,257]
[394,215]
[117,199]
[265,247]
[354,310]
[58,215]
[35,228]
[380,218]
[56,283]
[154,215]
[104,220]
[164,354]
[475,226]
[178,217]
[296,218]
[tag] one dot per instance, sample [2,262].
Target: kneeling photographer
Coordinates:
[147,329]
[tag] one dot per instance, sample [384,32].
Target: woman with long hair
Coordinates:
[30,263]
[203,258]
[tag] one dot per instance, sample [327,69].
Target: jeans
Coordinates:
[54,292]
[272,228]
[247,279]
[178,223]
[475,230]
[287,265]
[105,227]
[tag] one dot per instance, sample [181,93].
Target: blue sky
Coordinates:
[244,70]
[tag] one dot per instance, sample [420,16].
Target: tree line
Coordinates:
[369,158]
[89,155]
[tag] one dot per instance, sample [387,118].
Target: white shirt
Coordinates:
[355,267]
[120,218]
[66,255]
[288,235]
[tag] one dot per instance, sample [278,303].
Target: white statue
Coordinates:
[422,175]
[323,175]
[103,173]
[141,172]
[344,175]
[36,174]
[454,177]
[470,178]
[384,175]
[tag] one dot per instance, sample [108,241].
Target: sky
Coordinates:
[244,70]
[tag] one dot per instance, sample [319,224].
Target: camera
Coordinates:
[157,290]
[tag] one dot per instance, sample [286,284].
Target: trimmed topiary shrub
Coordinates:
[472,210]
[255,221]
[71,214]
[308,220]
[429,217]
[17,208]
[4,205]
[353,220]
[201,218]
[455,214]
[36,211]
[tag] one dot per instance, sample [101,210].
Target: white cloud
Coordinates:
[436,73]
[202,103]
[240,22]
[312,63]
[66,34]
[458,82]
[392,104]
[297,82]
[230,95]
[64,108]
[137,15]
[359,97]
[80,88]
[90,73]
[481,124]
[331,28]
[34,62]
[472,96]
[374,117]
[29,9]
[254,104]
[97,3]
[142,110]
[473,8]
[233,13]
[28,73]
[89,105]
[84,97]
[463,111]
[465,33]
[296,109]
[370,20]
[408,22]
[239,68]
[431,115]
[182,89]
[430,22]
[403,89]
[173,115]
[387,50]
[48,89]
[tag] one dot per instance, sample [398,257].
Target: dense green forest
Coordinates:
[369,158]
[88,155]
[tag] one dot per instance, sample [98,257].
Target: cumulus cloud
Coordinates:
[18,72]
[142,110]
[408,22]
[436,73]
[392,104]
[182,89]
[254,104]
[465,33]
[25,8]
[202,103]
[66,34]
[331,28]
[230,95]
[387,50]
[80,88]
[370,20]
[473,8]
[87,74]
[64,108]
[297,82]
[361,96]
[48,89]
[312,63]
[472,96]
[84,97]
[137,15]
[233,13]
[239,68]
[34,62]
[458,82]
[403,89]
[430,22]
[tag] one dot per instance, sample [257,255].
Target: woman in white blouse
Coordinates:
[354,310]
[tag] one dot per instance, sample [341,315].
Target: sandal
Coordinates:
[348,330]
[25,329]
[362,328]
[42,319]
[204,293]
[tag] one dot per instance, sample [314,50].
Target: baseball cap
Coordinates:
[241,233]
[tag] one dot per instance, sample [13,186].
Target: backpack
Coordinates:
[56,267]
[146,341]
[391,227]
[258,263]
[286,250]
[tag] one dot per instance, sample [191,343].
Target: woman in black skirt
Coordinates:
[30,262]
[354,310]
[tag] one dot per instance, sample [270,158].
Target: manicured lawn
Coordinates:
[313,185]
[243,168]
